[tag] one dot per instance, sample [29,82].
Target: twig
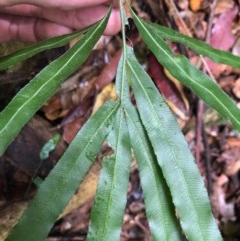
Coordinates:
[207,163]
[200,128]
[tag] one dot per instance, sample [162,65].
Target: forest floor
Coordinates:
[213,141]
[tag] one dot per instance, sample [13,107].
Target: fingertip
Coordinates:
[114,23]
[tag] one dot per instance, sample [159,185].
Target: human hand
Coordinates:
[34,20]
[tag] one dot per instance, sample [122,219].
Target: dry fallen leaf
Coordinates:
[195,4]
[107,93]
[226,210]
[224,25]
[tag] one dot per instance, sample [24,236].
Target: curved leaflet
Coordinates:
[174,157]
[196,45]
[182,70]
[60,185]
[111,197]
[30,98]
[159,207]
[31,50]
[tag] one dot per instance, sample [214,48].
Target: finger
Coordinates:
[56,4]
[29,29]
[74,19]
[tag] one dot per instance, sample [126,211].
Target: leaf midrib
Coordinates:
[172,151]
[151,166]
[189,42]
[45,84]
[114,177]
[189,77]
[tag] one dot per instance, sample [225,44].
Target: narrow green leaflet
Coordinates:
[174,157]
[31,50]
[189,75]
[30,98]
[160,212]
[110,201]
[122,87]
[198,46]
[159,208]
[57,189]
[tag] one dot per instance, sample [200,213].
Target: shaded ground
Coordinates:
[214,143]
